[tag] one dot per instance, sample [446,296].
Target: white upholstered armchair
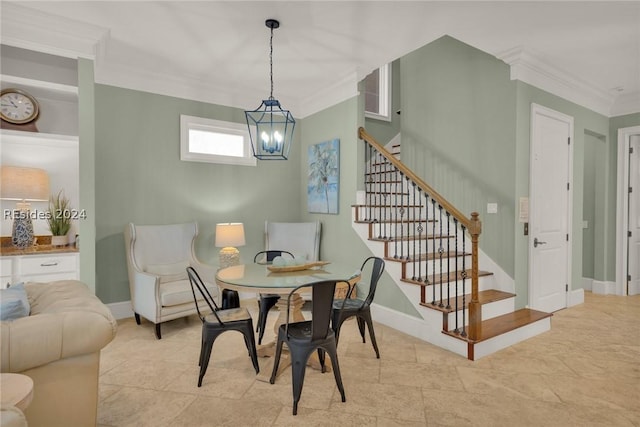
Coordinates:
[157,258]
[299,238]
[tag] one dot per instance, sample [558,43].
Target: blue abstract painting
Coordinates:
[323,179]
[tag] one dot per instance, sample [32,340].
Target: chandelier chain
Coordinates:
[271,62]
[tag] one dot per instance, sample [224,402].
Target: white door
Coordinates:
[633,262]
[549,208]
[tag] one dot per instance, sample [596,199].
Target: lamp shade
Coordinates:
[229,234]
[19,183]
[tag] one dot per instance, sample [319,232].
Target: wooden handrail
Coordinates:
[467,222]
[473,226]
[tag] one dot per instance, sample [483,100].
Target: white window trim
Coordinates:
[232,128]
[384,95]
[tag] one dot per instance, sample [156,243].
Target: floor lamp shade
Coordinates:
[228,236]
[23,185]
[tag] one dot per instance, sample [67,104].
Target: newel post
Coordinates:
[475,313]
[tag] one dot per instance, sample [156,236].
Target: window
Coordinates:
[377,94]
[215,141]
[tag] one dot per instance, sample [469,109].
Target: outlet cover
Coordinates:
[492,208]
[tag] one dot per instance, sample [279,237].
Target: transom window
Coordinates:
[377,94]
[215,141]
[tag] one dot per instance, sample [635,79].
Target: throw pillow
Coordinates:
[14,303]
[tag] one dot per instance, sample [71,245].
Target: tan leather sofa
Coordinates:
[58,345]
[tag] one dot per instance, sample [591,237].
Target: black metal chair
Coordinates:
[303,338]
[266,301]
[219,321]
[348,307]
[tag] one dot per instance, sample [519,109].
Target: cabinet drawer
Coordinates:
[44,278]
[47,265]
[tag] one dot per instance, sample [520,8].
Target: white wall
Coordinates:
[59,157]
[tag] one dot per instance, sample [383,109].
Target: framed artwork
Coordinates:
[323,179]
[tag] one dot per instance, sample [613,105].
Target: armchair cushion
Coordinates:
[170,272]
[176,293]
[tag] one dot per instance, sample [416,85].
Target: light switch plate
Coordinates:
[492,208]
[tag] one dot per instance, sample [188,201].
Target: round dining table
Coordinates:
[260,278]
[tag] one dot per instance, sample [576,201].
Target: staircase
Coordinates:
[431,252]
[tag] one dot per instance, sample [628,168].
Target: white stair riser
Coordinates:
[407,228]
[404,249]
[489,311]
[428,268]
[433,292]
[500,342]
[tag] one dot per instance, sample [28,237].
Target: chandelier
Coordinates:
[270,127]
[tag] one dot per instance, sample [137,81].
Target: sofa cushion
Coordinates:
[14,303]
[169,272]
[66,320]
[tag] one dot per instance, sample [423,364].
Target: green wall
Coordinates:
[466,130]
[339,240]
[87,231]
[458,130]
[140,178]
[593,206]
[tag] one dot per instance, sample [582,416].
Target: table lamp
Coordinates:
[228,236]
[23,185]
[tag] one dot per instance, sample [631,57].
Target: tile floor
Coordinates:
[584,372]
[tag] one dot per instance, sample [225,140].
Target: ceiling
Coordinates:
[218,51]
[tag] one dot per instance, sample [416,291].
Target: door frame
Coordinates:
[539,109]
[622,206]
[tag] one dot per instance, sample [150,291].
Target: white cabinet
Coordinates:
[5,272]
[39,267]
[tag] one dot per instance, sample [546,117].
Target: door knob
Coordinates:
[537,242]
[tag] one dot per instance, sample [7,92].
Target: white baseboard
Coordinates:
[575,297]
[603,288]
[428,329]
[400,321]
[587,283]
[121,310]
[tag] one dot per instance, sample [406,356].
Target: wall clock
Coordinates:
[18,110]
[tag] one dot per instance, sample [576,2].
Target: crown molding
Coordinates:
[531,68]
[157,82]
[145,80]
[627,103]
[345,88]
[40,31]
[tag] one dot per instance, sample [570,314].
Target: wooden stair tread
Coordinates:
[484,297]
[447,277]
[506,323]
